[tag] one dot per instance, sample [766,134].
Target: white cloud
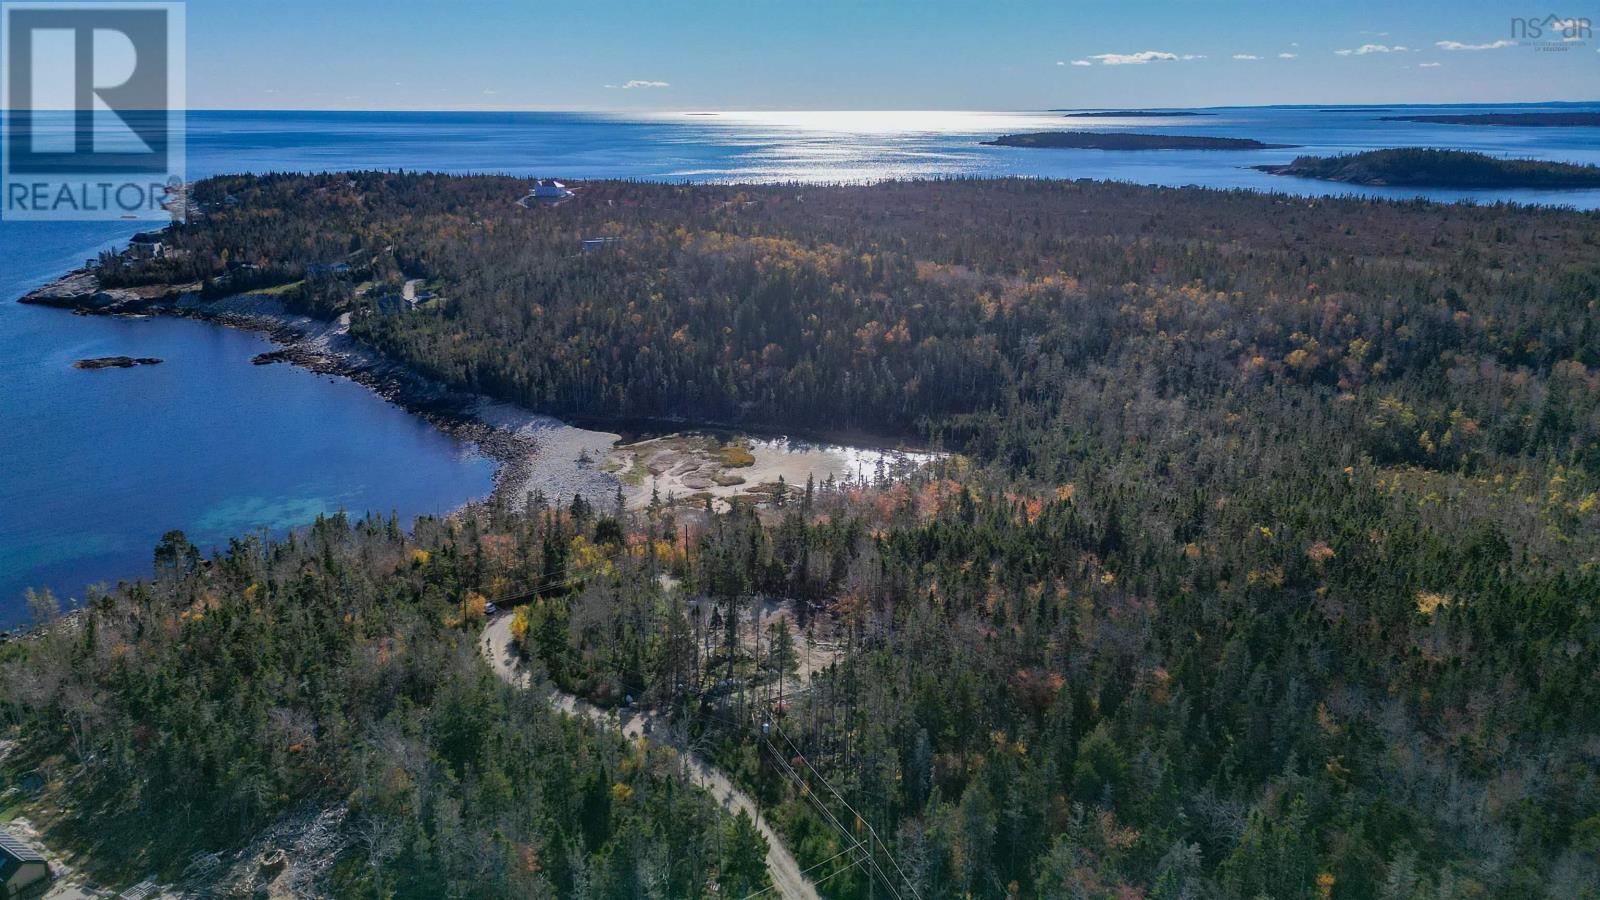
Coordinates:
[1457,45]
[1366,49]
[1188,56]
[1429,65]
[1082,62]
[1288,55]
[1245,56]
[637,83]
[1134,59]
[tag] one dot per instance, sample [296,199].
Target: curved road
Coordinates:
[787,879]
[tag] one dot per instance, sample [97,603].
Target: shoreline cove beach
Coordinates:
[536,454]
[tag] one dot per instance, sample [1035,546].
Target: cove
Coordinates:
[98,464]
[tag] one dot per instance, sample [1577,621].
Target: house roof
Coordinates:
[14,854]
[10,846]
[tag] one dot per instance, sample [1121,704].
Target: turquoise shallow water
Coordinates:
[95,466]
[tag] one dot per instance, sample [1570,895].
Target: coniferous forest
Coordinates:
[1260,560]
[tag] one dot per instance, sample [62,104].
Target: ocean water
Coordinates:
[95,466]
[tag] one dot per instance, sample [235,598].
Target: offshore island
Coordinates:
[1517,120]
[1127,140]
[1133,114]
[1415,167]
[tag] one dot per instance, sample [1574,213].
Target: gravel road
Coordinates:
[787,878]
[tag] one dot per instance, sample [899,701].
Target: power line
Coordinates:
[853,864]
[806,791]
[812,868]
[789,770]
[859,816]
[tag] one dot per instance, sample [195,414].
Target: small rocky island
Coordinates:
[115,362]
[1520,120]
[1416,167]
[1127,140]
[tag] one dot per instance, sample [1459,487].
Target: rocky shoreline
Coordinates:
[535,453]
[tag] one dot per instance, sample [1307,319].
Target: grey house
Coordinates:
[21,867]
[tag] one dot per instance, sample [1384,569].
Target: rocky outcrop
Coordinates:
[115,362]
[81,291]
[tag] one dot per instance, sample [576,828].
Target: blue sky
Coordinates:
[871,54]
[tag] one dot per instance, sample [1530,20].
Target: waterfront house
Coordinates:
[550,189]
[145,246]
[21,867]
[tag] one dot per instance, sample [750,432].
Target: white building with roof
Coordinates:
[550,189]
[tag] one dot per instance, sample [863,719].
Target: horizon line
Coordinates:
[820,109]
[703,110]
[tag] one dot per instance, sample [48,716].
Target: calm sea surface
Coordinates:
[95,466]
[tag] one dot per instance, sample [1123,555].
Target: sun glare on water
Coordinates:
[834,146]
